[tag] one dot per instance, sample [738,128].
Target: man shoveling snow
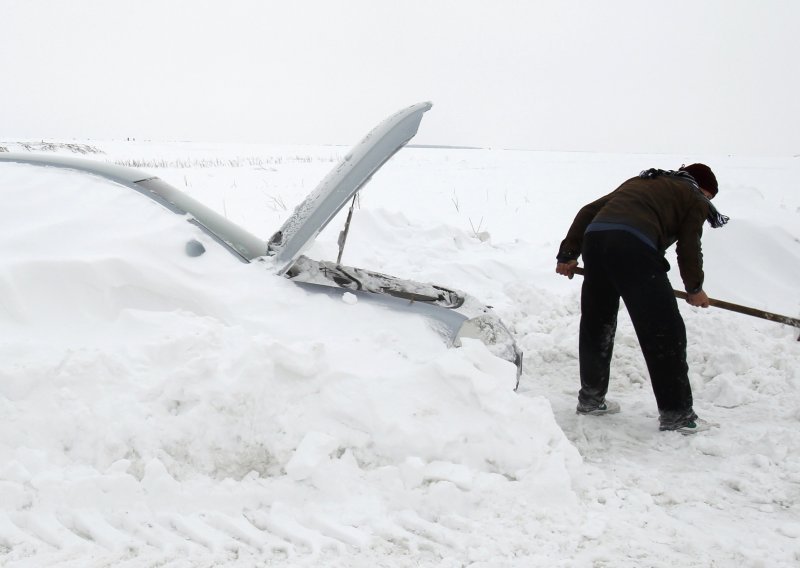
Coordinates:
[622,237]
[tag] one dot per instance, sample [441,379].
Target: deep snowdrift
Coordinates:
[193,411]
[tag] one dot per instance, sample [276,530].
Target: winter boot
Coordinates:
[605,407]
[687,427]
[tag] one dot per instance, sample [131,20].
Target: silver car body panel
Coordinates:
[232,236]
[452,313]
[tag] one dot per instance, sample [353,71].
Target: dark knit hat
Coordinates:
[703,175]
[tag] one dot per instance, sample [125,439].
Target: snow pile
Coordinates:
[161,408]
[137,377]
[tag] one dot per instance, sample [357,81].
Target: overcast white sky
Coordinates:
[678,76]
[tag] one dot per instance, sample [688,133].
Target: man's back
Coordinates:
[658,207]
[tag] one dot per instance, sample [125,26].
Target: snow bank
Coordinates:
[137,380]
[162,409]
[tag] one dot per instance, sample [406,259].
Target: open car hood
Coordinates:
[336,189]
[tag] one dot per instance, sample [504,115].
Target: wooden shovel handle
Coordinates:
[734,307]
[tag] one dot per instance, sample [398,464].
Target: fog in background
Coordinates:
[704,76]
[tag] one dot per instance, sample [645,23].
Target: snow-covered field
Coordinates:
[163,410]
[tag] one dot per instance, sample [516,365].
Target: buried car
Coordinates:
[453,314]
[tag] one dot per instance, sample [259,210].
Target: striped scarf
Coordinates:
[715,218]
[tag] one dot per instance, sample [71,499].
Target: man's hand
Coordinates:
[567,268]
[699,300]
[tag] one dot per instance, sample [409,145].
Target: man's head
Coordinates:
[704,177]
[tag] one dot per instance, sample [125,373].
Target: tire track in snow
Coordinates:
[62,538]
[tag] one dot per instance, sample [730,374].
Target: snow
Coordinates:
[167,410]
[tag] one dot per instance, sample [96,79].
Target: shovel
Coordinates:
[735,308]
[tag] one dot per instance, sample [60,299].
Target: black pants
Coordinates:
[619,264]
